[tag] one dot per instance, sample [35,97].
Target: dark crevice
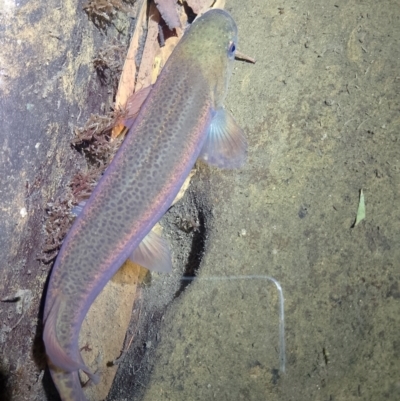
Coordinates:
[190,13]
[5,390]
[196,253]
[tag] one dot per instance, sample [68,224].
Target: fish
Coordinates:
[181,120]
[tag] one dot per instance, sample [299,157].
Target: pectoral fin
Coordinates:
[225,146]
[153,254]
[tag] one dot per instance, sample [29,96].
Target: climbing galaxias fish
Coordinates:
[181,120]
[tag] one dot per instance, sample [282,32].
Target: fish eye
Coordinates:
[232,49]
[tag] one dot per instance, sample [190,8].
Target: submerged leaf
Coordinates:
[127,81]
[361,209]
[168,12]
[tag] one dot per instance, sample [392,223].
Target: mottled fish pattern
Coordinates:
[181,120]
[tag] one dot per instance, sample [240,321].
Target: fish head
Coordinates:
[210,43]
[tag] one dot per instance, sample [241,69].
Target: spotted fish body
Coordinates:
[181,119]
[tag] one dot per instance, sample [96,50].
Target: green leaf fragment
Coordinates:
[361,209]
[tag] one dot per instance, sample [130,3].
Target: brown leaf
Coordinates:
[168,12]
[127,81]
[151,49]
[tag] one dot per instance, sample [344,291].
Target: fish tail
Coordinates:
[54,350]
[68,384]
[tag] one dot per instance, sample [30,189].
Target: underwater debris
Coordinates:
[169,9]
[241,56]
[101,12]
[57,225]
[361,209]
[83,183]
[109,62]
[93,139]
[169,13]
